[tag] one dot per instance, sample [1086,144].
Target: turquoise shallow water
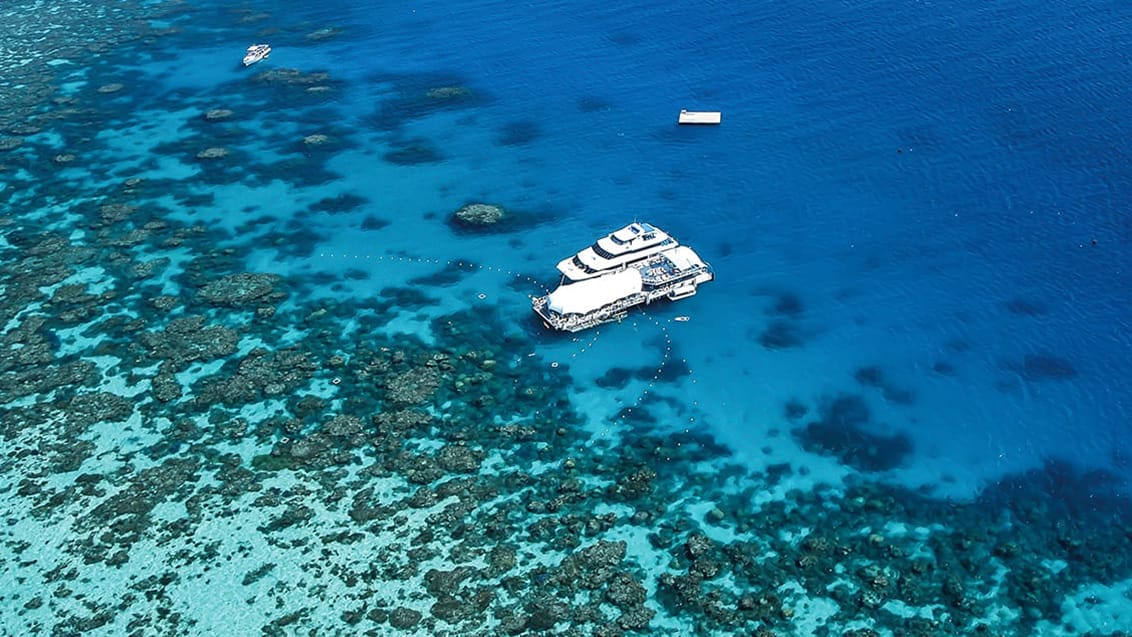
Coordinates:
[255,376]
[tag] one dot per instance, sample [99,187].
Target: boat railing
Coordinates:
[662,278]
[667,274]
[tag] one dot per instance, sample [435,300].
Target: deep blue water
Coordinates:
[941,187]
[917,214]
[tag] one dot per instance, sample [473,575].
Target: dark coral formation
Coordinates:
[781,334]
[874,377]
[1026,307]
[845,430]
[1044,367]
[245,289]
[518,133]
[413,151]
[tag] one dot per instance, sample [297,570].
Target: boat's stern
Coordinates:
[540,306]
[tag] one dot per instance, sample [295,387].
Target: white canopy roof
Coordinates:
[683,257]
[589,295]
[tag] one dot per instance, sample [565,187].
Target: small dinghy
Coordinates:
[256,53]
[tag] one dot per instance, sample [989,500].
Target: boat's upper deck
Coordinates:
[634,242]
[633,237]
[670,265]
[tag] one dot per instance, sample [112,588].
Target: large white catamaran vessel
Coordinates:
[633,266]
[619,248]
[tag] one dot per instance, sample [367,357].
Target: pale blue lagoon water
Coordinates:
[254,375]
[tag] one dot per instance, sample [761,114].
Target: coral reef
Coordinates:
[845,431]
[242,290]
[449,471]
[217,114]
[213,152]
[176,421]
[449,93]
[478,215]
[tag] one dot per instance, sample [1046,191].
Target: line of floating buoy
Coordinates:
[400,258]
[583,348]
[659,370]
[589,344]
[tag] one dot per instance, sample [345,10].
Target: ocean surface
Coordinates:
[256,377]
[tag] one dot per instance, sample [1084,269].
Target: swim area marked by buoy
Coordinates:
[667,351]
[585,342]
[395,259]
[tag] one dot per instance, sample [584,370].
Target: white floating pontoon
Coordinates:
[700,117]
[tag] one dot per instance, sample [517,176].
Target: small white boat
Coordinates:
[256,53]
[682,319]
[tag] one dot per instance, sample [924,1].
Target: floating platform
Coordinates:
[673,274]
[707,118]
